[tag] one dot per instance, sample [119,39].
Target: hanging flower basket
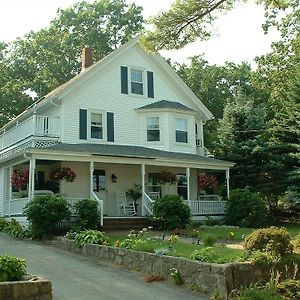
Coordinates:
[206,182]
[19,179]
[62,173]
[167,177]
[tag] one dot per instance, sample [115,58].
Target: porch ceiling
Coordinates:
[133,152]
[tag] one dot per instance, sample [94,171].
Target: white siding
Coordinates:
[1,190]
[102,92]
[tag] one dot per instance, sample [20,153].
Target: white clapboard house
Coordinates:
[117,124]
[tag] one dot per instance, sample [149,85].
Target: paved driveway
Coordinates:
[75,277]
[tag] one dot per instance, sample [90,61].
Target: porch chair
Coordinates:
[153,195]
[125,208]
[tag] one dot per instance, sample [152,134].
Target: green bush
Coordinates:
[264,259]
[91,237]
[15,229]
[273,239]
[257,292]
[143,245]
[44,213]
[209,240]
[3,224]
[11,268]
[88,215]
[172,211]
[245,209]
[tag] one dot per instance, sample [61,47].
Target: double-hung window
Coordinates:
[136,81]
[96,126]
[181,130]
[153,132]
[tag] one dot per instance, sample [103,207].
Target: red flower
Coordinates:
[205,181]
[62,173]
[19,179]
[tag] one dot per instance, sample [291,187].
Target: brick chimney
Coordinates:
[87,57]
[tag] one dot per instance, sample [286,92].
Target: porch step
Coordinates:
[125,223]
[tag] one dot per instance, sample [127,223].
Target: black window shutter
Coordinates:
[150,84]
[110,127]
[83,124]
[124,80]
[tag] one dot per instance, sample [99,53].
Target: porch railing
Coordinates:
[199,208]
[148,204]
[35,125]
[100,203]
[16,206]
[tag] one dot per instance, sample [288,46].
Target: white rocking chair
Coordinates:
[153,195]
[125,208]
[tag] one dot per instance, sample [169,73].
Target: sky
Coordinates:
[238,36]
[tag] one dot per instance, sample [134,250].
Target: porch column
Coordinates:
[32,163]
[91,178]
[10,171]
[188,175]
[227,182]
[143,172]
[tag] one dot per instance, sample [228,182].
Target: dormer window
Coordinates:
[153,132]
[181,130]
[96,126]
[136,82]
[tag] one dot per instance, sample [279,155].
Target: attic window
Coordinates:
[136,82]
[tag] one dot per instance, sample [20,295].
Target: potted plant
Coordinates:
[19,179]
[62,173]
[134,193]
[206,183]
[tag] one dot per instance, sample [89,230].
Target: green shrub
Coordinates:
[127,243]
[208,240]
[143,245]
[91,237]
[15,229]
[264,259]
[273,239]
[88,215]
[11,268]
[173,212]
[245,209]
[289,288]
[257,292]
[44,213]
[3,224]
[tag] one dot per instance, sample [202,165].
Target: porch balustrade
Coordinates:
[33,126]
[199,208]
[148,204]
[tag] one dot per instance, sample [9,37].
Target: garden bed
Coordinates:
[28,288]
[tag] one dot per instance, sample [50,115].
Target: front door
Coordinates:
[100,187]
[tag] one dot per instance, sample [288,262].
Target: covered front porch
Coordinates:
[101,177]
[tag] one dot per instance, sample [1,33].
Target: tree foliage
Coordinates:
[188,20]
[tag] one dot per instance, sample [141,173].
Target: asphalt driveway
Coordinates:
[75,277]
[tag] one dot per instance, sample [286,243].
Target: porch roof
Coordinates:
[135,152]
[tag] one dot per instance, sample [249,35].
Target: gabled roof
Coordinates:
[57,93]
[166,104]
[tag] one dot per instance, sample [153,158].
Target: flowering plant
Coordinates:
[62,173]
[207,181]
[19,179]
[166,177]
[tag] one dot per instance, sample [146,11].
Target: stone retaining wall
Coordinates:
[37,289]
[199,276]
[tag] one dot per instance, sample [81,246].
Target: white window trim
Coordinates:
[104,126]
[187,131]
[144,74]
[159,128]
